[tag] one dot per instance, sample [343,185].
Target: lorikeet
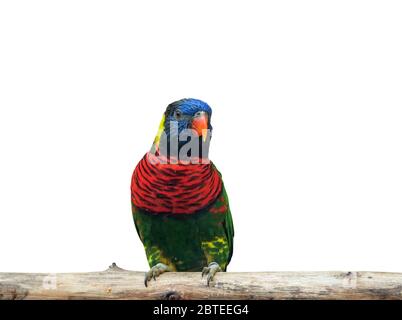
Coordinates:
[179,203]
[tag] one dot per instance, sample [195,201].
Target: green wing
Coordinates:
[228,224]
[221,207]
[135,211]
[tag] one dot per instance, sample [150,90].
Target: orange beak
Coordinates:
[200,125]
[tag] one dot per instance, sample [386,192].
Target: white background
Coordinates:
[307,119]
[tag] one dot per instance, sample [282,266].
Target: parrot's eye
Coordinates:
[178,115]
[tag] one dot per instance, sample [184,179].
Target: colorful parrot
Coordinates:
[180,207]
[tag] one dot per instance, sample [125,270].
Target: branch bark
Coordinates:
[116,283]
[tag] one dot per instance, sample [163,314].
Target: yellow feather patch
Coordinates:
[155,255]
[160,131]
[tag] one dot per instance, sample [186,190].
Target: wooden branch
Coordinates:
[116,283]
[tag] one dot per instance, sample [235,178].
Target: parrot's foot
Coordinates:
[211,270]
[155,271]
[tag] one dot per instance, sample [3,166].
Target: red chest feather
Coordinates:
[174,188]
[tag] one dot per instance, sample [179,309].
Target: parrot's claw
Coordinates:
[210,271]
[155,271]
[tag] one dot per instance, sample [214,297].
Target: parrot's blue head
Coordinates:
[185,120]
[188,114]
